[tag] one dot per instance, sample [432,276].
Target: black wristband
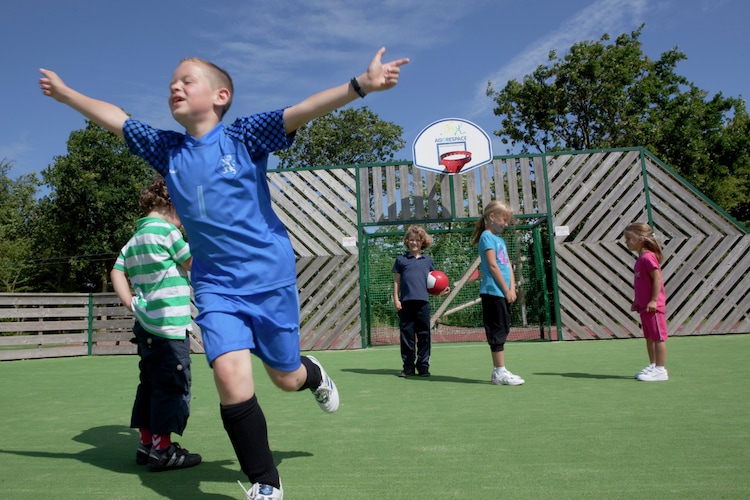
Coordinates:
[357,88]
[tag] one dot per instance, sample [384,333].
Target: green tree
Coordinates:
[91,210]
[608,95]
[345,137]
[17,210]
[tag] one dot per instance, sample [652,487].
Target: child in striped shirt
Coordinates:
[156,261]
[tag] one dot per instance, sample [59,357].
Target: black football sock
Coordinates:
[246,427]
[314,377]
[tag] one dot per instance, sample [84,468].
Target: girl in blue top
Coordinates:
[498,286]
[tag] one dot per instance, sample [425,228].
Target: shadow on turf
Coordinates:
[584,375]
[113,449]
[431,378]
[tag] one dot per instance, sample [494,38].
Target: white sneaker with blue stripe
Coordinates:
[326,394]
[263,492]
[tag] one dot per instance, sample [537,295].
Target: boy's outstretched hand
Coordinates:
[51,84]
[103,113]
[383,76]
[379,76]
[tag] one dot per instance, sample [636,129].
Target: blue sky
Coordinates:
[279,52]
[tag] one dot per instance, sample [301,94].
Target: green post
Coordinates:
[644,173]
[361,243]
[544,316]
[552,253]
[91,322]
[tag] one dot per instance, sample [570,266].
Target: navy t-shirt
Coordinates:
[413,273]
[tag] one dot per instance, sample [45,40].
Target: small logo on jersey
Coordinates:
[227,167]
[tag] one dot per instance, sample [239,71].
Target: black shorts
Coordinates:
[496,317]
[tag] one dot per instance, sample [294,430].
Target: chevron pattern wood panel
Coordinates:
[319,209]
[706,259]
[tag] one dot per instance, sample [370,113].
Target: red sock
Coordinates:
[161,441]
[146,436]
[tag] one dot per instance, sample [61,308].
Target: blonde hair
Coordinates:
[219,78]
[644,231]
[492,207]
[420,233]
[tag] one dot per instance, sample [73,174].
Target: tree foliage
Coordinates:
[609,95]
[345,137]
[17,211]
[91,210]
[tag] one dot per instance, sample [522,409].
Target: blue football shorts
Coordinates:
[266,323]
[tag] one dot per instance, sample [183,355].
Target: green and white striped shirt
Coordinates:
[151,259]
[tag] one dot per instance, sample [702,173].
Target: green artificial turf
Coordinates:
[581,427]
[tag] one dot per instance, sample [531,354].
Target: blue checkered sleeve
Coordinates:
[262,133]
[151,144]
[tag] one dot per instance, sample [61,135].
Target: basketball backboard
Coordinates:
[452,145]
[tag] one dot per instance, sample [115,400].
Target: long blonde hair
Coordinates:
[492,207]
[650,242]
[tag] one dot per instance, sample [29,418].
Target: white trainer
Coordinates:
[326,394]
[655,375]
[644,371]
[505,378]
[263,492]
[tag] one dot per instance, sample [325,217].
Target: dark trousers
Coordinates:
[162,400]
[416,343]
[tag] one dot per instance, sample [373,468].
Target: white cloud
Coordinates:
[273,50]
[272,40]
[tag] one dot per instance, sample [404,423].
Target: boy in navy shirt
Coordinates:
[243,270]
[412,302]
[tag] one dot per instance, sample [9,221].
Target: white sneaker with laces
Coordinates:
[655,375]
[644,371]
[505,377]
[263,492]
[326,394]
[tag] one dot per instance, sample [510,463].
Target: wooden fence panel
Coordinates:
[57,325]
[596,194]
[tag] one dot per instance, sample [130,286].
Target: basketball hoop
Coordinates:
[453,161]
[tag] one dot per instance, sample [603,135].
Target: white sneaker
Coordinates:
[654,375]
[505,378]
[644,371]
[326,394]
[263,492]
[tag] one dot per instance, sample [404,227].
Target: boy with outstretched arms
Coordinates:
[243,270]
